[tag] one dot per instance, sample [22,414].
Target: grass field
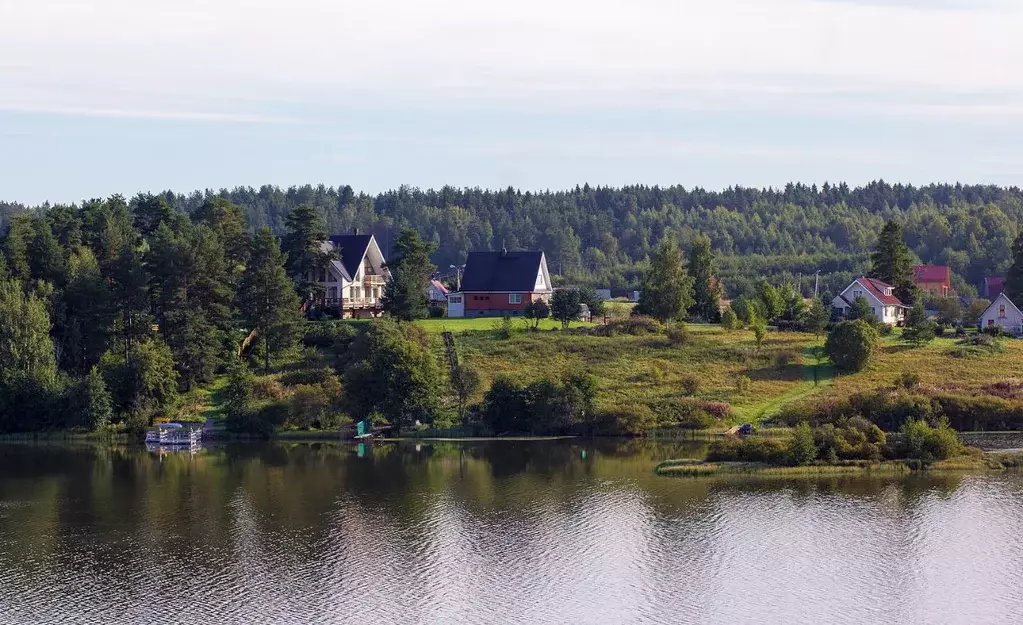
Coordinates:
[646,369]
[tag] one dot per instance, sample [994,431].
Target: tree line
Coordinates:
[607,237]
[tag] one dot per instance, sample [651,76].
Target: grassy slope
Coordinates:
[633,370]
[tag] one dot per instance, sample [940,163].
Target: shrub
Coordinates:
[994,331]
[678,334]
[750,449]
[267,388]
[923,442]
[802,449]
[537,311]
[851,344]
[743,384]
[635,325]
[690,385]
[436,312]
[624,420]
[979,344]
[327,333]
[683,414]
[787,357]
[729,321]
[907,379]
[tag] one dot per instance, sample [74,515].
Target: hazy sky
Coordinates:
[104,96]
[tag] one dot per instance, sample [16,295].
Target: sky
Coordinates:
[120,96]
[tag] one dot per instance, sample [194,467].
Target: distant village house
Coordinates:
[496,284]
[1003,313]
[934,279]
[887,308]
[353,284]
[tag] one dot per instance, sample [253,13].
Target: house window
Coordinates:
[857,294]
[333,293]
[1001,311]
[514,298]
[456,300]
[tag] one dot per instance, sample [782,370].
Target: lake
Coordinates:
[496,532]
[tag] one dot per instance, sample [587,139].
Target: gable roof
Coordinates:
[353,250]
[501,272]
[932,273]
[877,288]
[1001,296]
[443,290]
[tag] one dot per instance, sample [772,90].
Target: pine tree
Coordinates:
[892,262]
[16,245]
[150,211]
[88,313]
[919,329]
[667,289]
[228,222]
[192,298]
[129,281]
[306,231]
[266,297]
[46,259]
[706,289]
[817,317]
[405,294]
[1014,276]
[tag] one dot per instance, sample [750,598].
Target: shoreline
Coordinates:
[991,462]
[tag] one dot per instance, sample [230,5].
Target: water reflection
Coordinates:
[508,532]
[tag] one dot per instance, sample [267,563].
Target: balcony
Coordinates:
[374,281]
[353,302]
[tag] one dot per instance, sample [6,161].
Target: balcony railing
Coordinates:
[353,302]
[374,280]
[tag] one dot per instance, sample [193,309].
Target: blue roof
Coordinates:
[501,272]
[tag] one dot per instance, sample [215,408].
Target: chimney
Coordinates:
[355,231]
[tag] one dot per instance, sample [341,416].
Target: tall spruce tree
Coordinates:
[667,288]
[46,258]
[192,298]
[306,231]
[266,297]
[892,262]
[405,294]
[706,289]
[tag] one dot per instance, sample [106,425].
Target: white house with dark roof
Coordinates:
[880,295]
[1003,313]
[353,283]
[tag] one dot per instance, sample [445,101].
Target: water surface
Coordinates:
[503,532]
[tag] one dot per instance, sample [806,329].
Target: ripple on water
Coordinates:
[340,540]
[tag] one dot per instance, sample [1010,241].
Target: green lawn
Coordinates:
[466,324]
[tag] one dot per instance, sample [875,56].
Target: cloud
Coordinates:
[247,57]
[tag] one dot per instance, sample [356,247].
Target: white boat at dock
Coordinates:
[174,435]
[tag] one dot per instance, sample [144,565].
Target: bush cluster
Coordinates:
[635,325]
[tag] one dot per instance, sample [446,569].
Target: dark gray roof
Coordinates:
[501,272]
[352,248]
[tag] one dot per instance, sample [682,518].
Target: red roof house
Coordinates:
[936,279]
[880,295]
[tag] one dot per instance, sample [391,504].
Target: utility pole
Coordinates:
[816,282]
[458,276]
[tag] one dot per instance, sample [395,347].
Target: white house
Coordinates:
[437,292]
[880,295]
[1003,313]
[353,284]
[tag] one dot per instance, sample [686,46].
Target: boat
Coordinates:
[173,435]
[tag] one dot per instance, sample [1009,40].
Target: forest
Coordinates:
[604,237]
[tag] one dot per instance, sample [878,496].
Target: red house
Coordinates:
[496,284]
[936,279]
